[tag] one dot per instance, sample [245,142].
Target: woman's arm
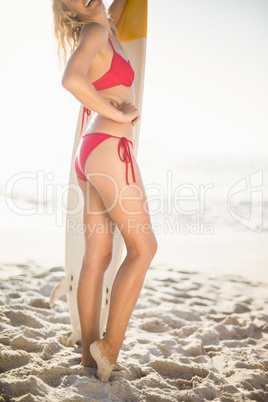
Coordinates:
[116,9]
[75,80]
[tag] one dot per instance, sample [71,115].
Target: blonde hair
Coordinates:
[67,30]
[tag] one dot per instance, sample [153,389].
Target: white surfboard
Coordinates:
[132,33]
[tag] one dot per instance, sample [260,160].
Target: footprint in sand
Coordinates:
[39,303]
[14,296]
[21,318]
[50,349]
[154,325]
[175,370]
[29,345]
[9,359]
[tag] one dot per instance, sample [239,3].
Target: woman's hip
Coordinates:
[90,141]
[101,124]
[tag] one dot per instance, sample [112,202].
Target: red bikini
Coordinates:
[120,73]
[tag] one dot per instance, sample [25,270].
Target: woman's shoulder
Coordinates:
[93,30]
[94,34]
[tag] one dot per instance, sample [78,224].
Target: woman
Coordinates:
[99,75]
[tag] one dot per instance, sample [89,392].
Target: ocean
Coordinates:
[209,213]
[188,194]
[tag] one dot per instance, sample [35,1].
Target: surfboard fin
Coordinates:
[62,288]
[74,337]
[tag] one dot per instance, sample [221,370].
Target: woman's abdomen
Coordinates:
[101,124]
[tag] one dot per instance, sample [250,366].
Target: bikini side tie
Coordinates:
[124,144]
[86,112]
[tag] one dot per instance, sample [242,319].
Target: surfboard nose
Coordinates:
[136,26]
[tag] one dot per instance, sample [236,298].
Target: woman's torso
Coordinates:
[114,73]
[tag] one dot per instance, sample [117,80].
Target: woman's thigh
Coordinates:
[98,226]
[126,205]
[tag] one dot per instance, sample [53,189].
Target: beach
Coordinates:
[199,331]
[193,336]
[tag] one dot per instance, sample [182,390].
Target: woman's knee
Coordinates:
[153,246]
[145,248]
[97,260]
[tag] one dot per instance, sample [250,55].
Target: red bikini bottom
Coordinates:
[90,141]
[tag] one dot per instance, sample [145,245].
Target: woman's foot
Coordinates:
[104,358]
[88,362]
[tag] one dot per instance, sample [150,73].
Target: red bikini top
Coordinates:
[120,73]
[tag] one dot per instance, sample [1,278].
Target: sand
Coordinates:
[193,336]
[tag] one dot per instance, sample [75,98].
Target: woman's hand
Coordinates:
[130,113]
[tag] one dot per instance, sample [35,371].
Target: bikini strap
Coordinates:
[124,145]
[86,112]
[111,44]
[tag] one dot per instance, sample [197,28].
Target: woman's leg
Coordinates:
[98,248]
[127,207]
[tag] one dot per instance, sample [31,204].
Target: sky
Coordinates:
[206,85]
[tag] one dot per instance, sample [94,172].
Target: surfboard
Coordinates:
[132,34]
